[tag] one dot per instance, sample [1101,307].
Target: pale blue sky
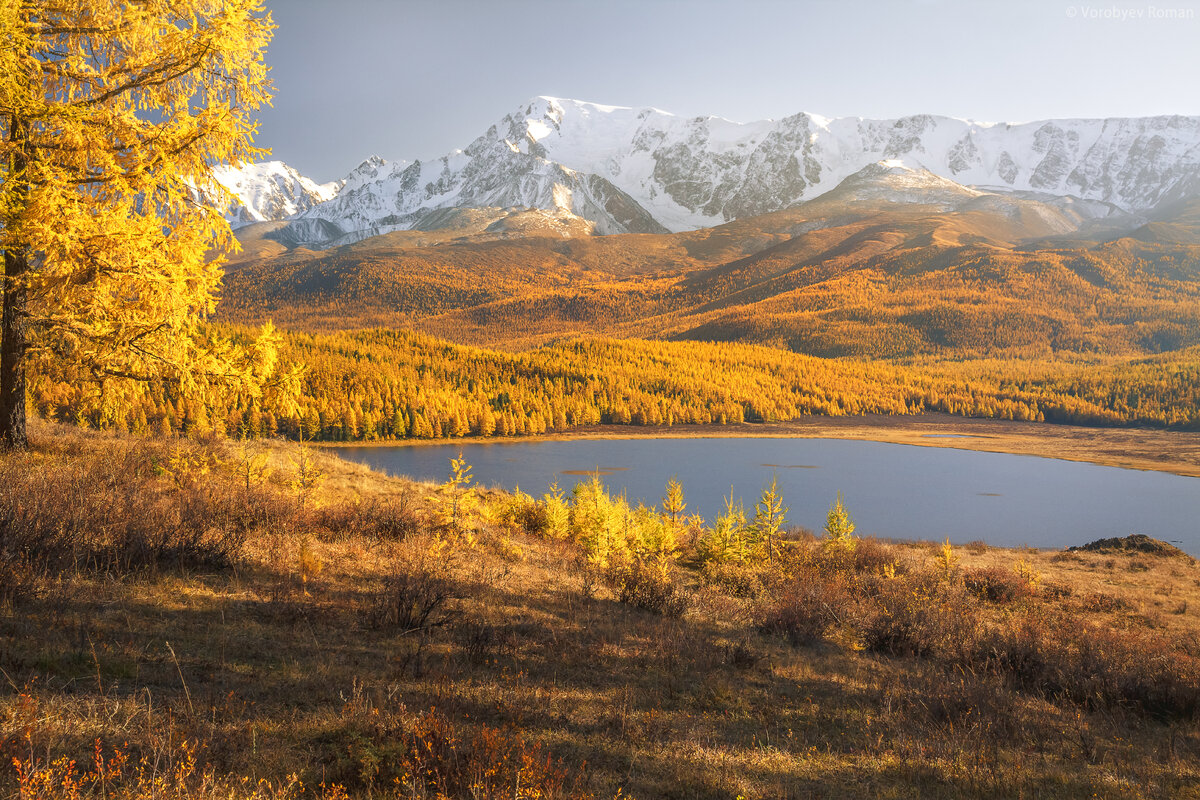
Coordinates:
[417,79]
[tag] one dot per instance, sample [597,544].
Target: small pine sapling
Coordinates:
[308,475]
[673,504]
[461,497]
[839,528]
[251,466]
[946,558]
[558,513]
[769,518]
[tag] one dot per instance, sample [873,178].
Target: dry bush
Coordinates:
[800,611]
[417,597]
[18,580]
[736,580]
[1102,603]
[996,585]
[1050,653]
[873,556]
[919,616]
[393,518]
[483,642]
[868,556]
[1057,655]
[430,757]
[111,509]
[647,586]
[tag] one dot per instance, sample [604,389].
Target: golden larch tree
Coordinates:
[112,115]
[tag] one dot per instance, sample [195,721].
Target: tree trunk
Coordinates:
[13,322]
[12,354]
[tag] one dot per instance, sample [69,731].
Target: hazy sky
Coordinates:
[409,79]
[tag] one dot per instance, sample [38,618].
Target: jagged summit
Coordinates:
[627,169]
[270,190]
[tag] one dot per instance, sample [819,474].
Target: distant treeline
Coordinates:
[385,384]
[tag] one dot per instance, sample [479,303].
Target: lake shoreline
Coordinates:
[1176,452]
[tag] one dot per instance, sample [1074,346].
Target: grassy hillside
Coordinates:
[218,619]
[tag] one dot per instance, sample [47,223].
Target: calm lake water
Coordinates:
[891,490]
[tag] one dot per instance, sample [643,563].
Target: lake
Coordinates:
[891,490]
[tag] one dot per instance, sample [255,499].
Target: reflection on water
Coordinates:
[891,490]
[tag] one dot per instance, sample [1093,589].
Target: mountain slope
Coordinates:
[846,274]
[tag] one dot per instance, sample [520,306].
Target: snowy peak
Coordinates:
[270,190]
[627,169]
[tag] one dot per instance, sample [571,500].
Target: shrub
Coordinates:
[769,518]
[647,586]
[996,585]
[738,580]
[597,522]
[611,532]
[416,597]
[839,528]
[800,612]
[122,513]
[558,513]
[459,498]
[946,559]
[519,511]
[649,537]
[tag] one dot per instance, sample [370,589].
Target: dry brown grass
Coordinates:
[274,666]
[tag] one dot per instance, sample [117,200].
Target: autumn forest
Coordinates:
[897,311]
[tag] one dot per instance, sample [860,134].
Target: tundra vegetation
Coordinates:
[209,617]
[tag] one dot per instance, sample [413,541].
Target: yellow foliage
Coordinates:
[945,558]
[114,115]
[730,540]
[460,500]
[1028,573]
[839,528]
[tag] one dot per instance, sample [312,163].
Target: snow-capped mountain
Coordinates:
[645,170]
[270,190]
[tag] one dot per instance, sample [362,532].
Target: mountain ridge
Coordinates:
[644,170]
